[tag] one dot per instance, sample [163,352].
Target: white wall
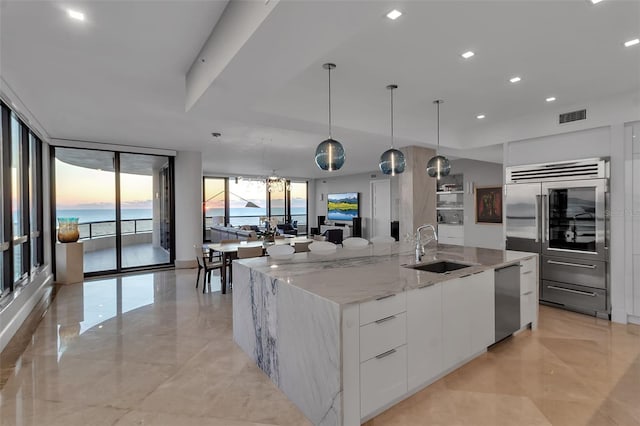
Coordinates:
[605,141]
[353,183]
[188,200]
[479,173]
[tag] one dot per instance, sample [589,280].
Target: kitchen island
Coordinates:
[348,334]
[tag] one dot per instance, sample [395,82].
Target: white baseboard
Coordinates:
[633,319]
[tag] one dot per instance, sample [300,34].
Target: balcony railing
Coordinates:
[107,228]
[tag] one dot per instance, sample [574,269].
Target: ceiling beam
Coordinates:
[239,21]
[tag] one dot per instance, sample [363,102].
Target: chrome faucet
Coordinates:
[419,245]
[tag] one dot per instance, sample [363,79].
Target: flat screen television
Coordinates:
[343,207]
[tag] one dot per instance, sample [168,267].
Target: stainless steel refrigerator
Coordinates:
[559,210]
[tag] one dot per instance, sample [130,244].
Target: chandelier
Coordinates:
[276,183]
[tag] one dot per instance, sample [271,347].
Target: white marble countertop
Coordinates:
[354,276]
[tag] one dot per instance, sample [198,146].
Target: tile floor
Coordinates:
[132,256]
[149,349]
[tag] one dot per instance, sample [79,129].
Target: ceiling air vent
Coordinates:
[568,117]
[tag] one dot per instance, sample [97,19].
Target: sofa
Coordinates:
[221,232]
[286,229]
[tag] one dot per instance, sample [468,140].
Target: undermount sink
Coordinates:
[440,267]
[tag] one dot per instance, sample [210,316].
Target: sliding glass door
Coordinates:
[123,203]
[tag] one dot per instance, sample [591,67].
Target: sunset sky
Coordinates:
[84,188]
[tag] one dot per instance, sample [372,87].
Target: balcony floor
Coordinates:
[132,256]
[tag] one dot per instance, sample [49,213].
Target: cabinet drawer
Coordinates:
[451,240]
[527,266]
[590,273]
[382,380]
[451,231]
[382,335]
[576,296]
[382,307]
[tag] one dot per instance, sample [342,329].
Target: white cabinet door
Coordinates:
[481,300]
[383,379]
[424,334]
[456,333]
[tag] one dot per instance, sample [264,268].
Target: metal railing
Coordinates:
[107,228]
[255,220]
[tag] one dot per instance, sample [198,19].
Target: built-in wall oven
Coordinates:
[559,210]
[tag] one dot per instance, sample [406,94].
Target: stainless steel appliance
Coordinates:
[559,211]
[507,299]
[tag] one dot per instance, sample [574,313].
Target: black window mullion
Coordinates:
[26,202]
[118,214]
[7,254]
[39,203]
[226,202]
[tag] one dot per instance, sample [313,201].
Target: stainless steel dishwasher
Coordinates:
[507,301]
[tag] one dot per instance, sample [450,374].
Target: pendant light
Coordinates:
[392,161]
[439,165]
[330,153]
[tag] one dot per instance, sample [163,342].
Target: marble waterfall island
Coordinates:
[348,334]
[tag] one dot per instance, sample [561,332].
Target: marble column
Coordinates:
[417,191]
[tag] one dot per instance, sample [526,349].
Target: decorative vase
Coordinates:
[68,229]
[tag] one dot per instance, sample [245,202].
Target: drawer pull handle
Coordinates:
[527,293]
[528,272]
[380,321]
[465,276]
[568,290]
[385,297]
[577,265]
[386,354]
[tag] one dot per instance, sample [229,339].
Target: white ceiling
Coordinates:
[120,76]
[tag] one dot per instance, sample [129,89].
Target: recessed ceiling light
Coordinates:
[515,79]
[468,54]
[631,42]
[550,99]
[595,1]
[74,14]
[480,117]
[394,14]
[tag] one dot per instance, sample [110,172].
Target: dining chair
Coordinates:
[301,247]
[247,252]
[207,265]
[279,237]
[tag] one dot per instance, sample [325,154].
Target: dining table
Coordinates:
[229,252]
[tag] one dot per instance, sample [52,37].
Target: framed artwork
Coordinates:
[489,204]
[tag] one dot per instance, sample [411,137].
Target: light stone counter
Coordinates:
[289,315]
[356,276]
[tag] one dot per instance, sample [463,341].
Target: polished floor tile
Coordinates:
[150,349]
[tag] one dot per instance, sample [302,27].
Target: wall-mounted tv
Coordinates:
[343,207]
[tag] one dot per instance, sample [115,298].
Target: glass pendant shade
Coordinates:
[438,166]
[392,162]
[330,155]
